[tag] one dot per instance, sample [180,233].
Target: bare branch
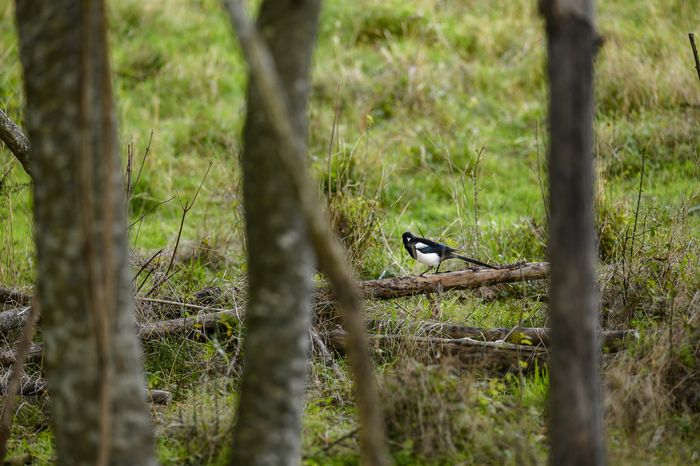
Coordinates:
[691,37]
[16,141]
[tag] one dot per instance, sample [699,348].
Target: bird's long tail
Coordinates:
[473,261]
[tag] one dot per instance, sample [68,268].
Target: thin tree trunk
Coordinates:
[280,254]
[575,396]
[93,360]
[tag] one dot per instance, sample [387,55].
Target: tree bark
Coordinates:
[280,254]
[576,433]
[93,358]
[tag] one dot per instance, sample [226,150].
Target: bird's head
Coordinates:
[407,237]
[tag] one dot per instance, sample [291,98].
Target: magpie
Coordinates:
[431,253]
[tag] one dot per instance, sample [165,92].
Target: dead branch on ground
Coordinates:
[467,351]
[536,336]
[35,386]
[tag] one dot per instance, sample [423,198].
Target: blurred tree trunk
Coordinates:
[280,254]
[93,359]
[575,395]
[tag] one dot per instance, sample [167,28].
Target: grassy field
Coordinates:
[441,131]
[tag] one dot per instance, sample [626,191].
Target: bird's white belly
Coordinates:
[432,259]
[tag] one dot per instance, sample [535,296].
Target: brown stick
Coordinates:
[691,37]
[331,256]
[16,141]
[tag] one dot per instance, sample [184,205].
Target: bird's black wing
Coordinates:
[427,246]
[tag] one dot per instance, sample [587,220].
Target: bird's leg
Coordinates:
[429,269]
[438,267]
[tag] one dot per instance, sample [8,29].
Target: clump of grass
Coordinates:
[435,415]
[653,390]
[354,220]
[197,429]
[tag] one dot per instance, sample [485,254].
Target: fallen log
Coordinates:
[35,352]
[398,287]
[473,346]
[466,351]
[202,322]
[16,141]
[13,318]
[35,386]
[388,288]
[535,336]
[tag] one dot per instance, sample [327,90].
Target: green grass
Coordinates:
[424,86]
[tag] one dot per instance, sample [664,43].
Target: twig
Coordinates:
[331,256]
[539,174]
[143,161]
[330,144]
[15,378]
[129,163]
[639,199]
[475,176]
[187,305]
[151,210]
[342,438]
[186,207]
[326,355]
[146,264]
[691,37]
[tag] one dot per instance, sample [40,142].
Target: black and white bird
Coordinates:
[431,253]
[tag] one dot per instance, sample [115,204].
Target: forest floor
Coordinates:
[441,130]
